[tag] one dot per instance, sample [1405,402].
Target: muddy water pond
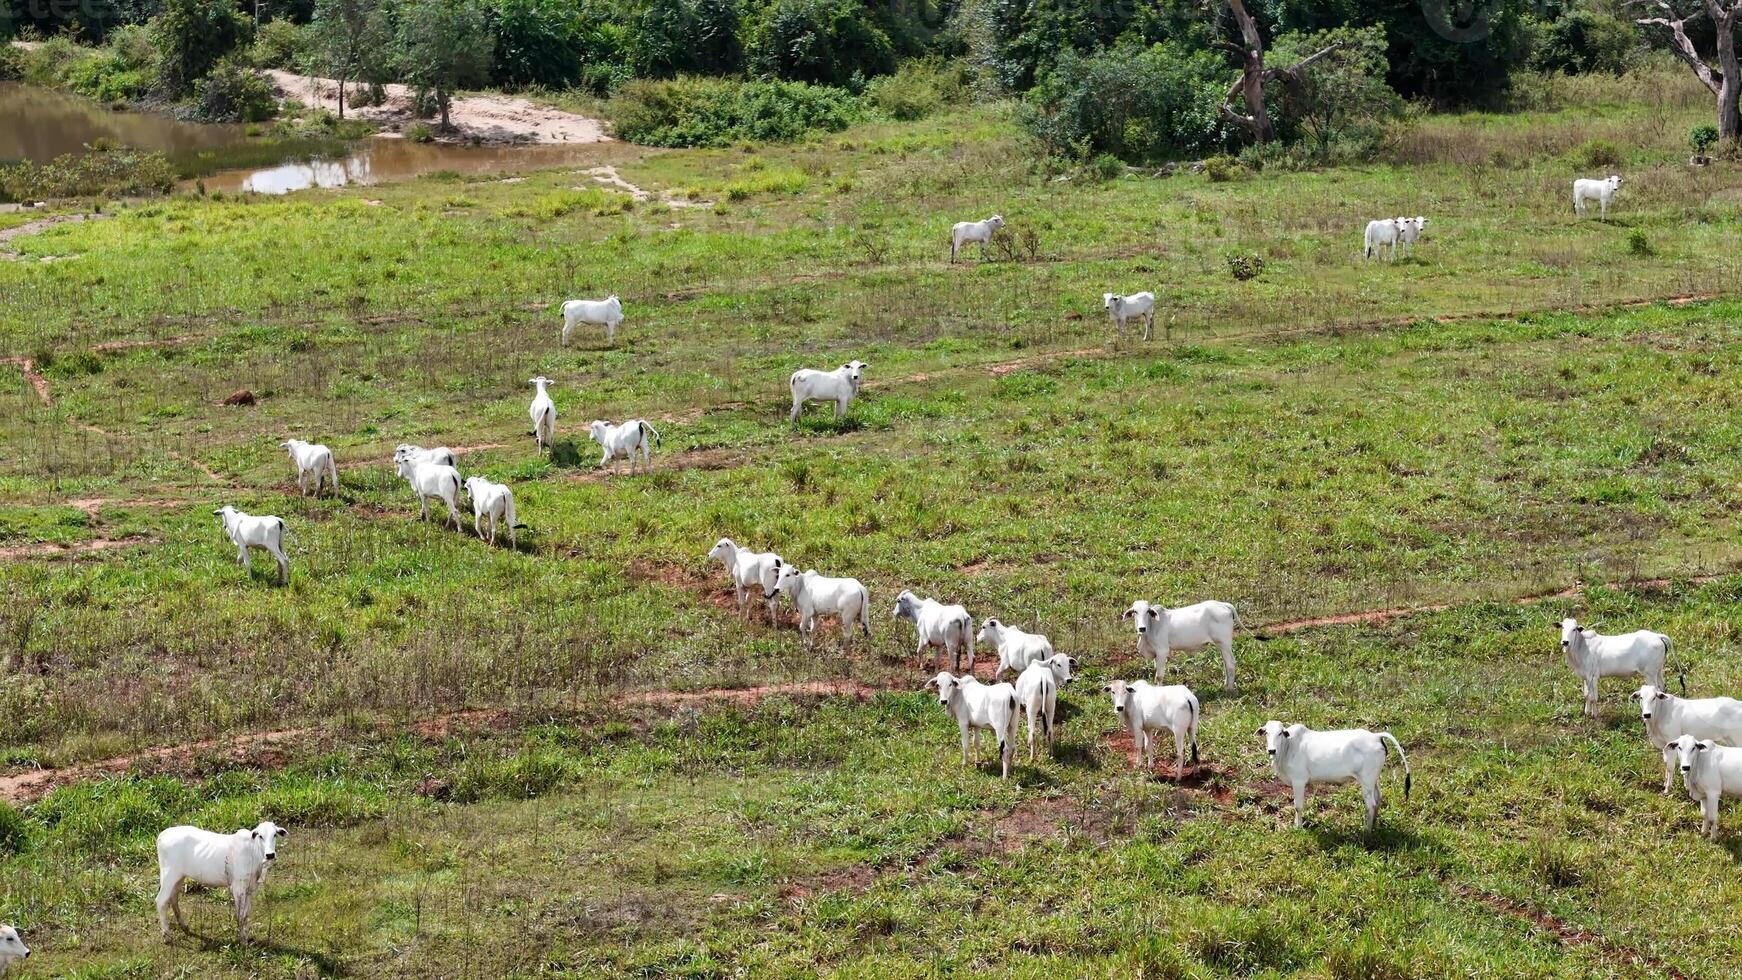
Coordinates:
[39,124]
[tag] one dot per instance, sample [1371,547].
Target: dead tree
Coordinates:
[1249,86]
[1725,80]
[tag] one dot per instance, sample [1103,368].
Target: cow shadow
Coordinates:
[1386,837]
[566,454]
[226,942]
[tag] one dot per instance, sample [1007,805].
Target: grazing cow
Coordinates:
[12,948]
[816,595]
[936,625]
[311,457]
[247,531]
[976,706]
[440,455]
[236,862]
[1381,234]
[1668,717]
[1302,756]
[432,480]
[1409,232]
[543,412]
[1037,689]
[1602,191]
[1143,708]
[607,311]
[1124,309]
[626,440]
[840,386]
[1160,631]
[1593,656]
[750,570]
[965,232]
[494,500]
[1016,649]
[1710,772]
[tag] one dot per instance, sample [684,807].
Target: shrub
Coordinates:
[1600,153]
[544,42]
[718,112]
[1339,111]
[918,88]
[419,132]
[191,37]
[828,42]
[234,92]
[14,831]
[1223,169]
[1587,41]
[1105,167]
[11,63]
[106,78]
[99,173]
[1138,104]
[1245,267]
[279,44]
[1638,244]
[1702,138]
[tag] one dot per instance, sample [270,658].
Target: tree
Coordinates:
[1340,98]
[1725,80]
[191,36]
[1256,120]
[443,45]
[350,36]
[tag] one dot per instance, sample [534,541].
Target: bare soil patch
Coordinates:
[33,227]
[37,382]
[484,117]
[51,550]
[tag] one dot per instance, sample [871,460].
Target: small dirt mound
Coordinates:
[241,396]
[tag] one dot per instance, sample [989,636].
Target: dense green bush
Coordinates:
[1138,104]
[280,44]
[918,88]
[538,42]
[827,42]
[234,92]
[1703,137]
[1587,41]
[106,78]
[694,111]
[191,37]
[11,63]
[100,173]
[1340,108]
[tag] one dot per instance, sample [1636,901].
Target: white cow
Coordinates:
[608,311]
[1710,772]
[937,625]
[440,454]
[1668,717]
[1037,689]
[543,412]
[12,948]
[619,441]
[1143,707]
[311,457]
[1160,631]
[816,595]
[236,862]
[750,570]
[247,531]
[432,480]
[1593,655]
[840,386]
[1409,231]
[494,500]
[1016,649]
[965,232]
[976,706]
[1381,234]
[1602,191]
[1302,756]
[1124,309]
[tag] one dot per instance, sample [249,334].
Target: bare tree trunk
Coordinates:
[442,100]
[1725,83]
[1257,121]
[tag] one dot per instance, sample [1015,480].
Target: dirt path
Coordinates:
[7,235]
[490,118]
[51,550]
[37,381]
[608,175]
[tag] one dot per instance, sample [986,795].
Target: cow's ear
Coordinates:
[255,834]
[1663,695]
[1260,731]
[1128,613]
[1154,612]
[1283,733]
[1107,688]
[1634,696]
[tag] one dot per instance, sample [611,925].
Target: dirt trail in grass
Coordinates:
[1563,933]
[52,550]
[33,227]
[28,368]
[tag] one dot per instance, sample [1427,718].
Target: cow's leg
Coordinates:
[1370,796]
[1668,768]
[168,891]
[1300,804]
[1227,647]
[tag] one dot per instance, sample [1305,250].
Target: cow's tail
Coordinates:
[333,471]
[648,430]
[967,625]
[1388,737]
[508,507]
[865,613]
[1192,706]
[1681,672]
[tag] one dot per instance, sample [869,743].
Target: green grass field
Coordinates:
[574,759]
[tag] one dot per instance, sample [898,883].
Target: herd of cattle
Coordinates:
[1702,737]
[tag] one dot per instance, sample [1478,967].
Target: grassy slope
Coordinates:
[1267,454]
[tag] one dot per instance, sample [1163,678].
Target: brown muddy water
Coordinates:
[39,124]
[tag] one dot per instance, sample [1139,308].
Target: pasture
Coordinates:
[574,759]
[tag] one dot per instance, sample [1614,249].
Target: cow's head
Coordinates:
[855,371]
[1688,751]
[1275,737]
[1143,616]
[947,685]
[906,606]
[1121,692]
[1614,182]
[1650,698]
[11,947]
